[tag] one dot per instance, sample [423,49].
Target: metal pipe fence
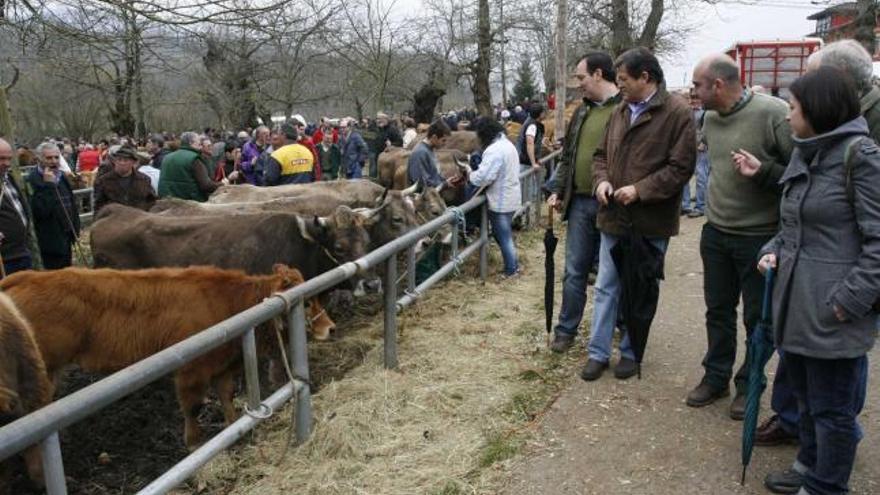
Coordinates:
[43,426]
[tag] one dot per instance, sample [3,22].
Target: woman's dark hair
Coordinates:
[828,98]
[637,60]
[488,130]
[439,129]
[536,110]
[600,60]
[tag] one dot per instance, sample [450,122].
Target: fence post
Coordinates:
[53,465]
[251,369]
[484,241]
[454,245]
[299,356]
[391,312]
[411,268]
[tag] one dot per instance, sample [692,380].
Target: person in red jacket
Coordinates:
[88,159]
[323,128]
[300,123]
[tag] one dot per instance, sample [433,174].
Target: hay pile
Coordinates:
[474,372]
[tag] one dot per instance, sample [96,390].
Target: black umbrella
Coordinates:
[640,269]
[760,349]
[550,241]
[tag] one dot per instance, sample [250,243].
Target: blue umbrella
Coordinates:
[760,349]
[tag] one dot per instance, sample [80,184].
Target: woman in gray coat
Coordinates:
[828,258]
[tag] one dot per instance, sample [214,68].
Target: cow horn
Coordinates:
[440,187]
[410,190]
[381,199]
[368,213]
[462,165]
[320,221]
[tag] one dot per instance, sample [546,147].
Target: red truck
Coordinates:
[774,65]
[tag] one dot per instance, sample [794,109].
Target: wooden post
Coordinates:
[7,132]
[561,73]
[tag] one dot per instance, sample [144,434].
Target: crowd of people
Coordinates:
[785,185]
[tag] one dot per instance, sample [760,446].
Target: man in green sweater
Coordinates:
[573,189]
[743,213]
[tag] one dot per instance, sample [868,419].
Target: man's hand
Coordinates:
[554,202]
[233,176]
[48,176]
[766,262]
[604,191]
[839,313]
[626,195]
[745,163]
[225,181]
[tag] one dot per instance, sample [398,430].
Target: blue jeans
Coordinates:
[606,301]
[503,234]
[702,173]
[581,252]
[784,403]
[829,394]
[355,171]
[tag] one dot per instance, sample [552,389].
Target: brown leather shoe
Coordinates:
[772,433]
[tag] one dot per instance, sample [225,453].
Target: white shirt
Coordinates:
[499,172]
[532,130]
[153,173]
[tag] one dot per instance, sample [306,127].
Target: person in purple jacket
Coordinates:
[249,154]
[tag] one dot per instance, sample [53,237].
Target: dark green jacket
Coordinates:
[329,160]
[871,111]
[177,179]
[564,185]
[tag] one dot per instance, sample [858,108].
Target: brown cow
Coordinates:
[465,141]
[392,165]
[359,192]
[24,385]
[104,320]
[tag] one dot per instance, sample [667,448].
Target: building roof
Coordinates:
[835,9]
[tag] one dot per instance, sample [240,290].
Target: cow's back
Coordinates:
[106,319]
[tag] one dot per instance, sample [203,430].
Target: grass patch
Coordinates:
[499,447]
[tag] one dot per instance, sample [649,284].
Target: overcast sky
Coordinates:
[723,25]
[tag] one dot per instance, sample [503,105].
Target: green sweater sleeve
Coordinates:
[771,171]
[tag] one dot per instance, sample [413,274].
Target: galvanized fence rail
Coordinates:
[42,427]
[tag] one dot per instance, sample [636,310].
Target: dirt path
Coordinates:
[638,437]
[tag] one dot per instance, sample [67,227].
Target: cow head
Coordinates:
[429,205]
[394,215]
[342,235]
[319,323]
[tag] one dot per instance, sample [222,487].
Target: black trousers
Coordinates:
[730,271]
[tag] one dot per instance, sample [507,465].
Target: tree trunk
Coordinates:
[561,30]
[866,21]
[425,102]
[621,34]
[649,33]
[482,66]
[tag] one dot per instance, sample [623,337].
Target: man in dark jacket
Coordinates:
[573,190]
[185,174]
[124,184]
[157,150]
[56,218]
[14,219]
[354,150]
[531,134]
[385,134]
[646,156]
